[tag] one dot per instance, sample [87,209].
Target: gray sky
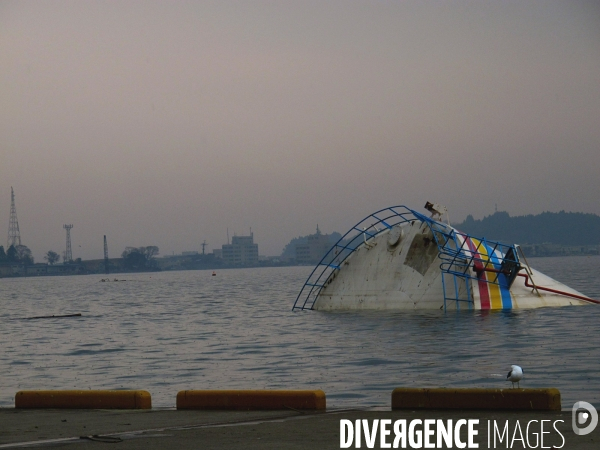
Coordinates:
[165,123]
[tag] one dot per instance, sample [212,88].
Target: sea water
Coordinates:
[171,331]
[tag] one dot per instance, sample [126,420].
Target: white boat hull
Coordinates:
[399,269]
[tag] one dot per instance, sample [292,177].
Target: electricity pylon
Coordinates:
[14,236]
[68,257]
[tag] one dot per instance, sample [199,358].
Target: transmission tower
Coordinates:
[68,257]
[14,237]
[105,255]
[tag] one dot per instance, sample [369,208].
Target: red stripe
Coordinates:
[484,293]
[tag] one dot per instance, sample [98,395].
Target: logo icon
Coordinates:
[584,412]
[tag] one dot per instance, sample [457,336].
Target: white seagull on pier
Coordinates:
[515,375]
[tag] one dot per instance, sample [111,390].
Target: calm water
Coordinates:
[166,332]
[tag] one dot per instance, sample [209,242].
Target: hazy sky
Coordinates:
[165,123]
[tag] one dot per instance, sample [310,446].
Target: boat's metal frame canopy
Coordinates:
[460,257]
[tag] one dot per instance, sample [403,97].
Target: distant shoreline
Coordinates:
[96,266]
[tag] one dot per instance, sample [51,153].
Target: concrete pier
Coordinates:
[190,429]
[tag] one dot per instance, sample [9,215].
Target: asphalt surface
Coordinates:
[166,429]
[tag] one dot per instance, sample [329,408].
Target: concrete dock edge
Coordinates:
[81,399]
[491,399]
[251,399]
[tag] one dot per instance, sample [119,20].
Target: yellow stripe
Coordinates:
[494,289]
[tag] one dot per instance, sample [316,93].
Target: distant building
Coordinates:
[40,269]
[314,249]
[241,252]
[8,270]
[192,253]
[37,269]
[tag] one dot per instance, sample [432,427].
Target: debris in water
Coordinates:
[48,317]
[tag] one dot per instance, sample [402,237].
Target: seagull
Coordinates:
[515,375]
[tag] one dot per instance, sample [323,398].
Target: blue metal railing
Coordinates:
[358,235]
[465,258]
[459,254]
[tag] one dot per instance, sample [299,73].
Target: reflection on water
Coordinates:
[165,332]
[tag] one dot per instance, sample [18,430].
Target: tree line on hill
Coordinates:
[563,228]
[289,251]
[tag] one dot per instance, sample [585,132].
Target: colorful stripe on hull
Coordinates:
[491,290]
[496,258]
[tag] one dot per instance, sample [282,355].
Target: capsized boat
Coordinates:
[398,258]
